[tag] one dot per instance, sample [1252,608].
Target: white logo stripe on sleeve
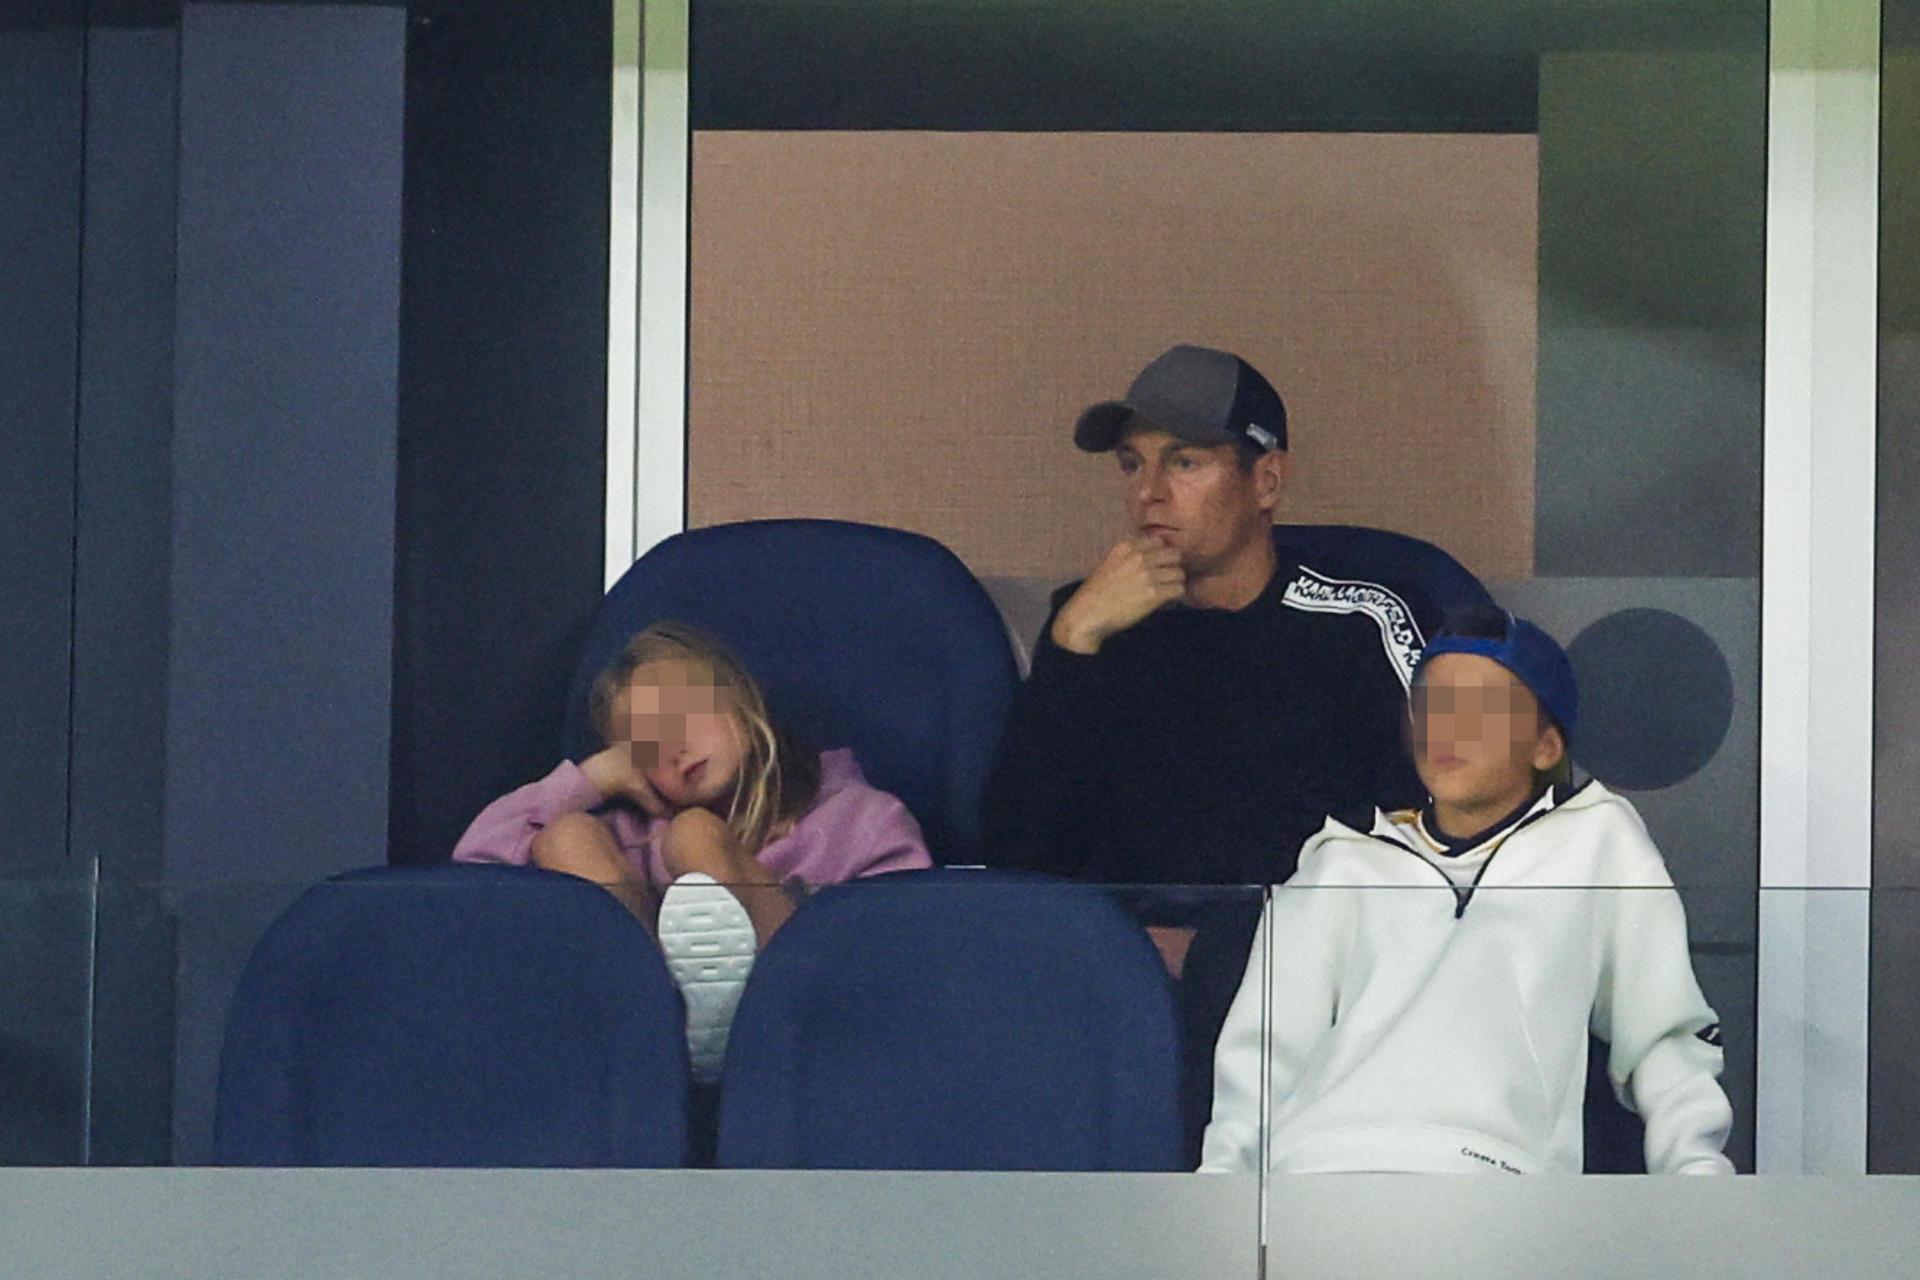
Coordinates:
[1399,633]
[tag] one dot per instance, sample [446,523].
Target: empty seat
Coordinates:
[953,1019]
[454,1016]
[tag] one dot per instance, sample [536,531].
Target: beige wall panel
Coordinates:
[901,327]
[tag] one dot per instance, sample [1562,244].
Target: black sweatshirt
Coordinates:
[1203,746]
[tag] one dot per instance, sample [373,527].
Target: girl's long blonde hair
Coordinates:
[779,776]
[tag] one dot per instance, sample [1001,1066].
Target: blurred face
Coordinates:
[1477,734]
[1196,498]
[685,739]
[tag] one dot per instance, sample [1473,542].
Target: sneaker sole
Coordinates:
[709,943]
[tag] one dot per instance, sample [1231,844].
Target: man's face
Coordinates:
[1197,498]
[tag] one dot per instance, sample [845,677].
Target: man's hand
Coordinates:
[1138,576]
[619,778]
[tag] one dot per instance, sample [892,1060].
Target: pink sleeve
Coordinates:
[505,829]
[887,838]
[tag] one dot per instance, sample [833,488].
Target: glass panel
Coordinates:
[1508,276]
[1498,1017]
[1813,997]
[135,1028]
[1037,1034]
[1147,1225]
[215,927]
[46,935]
[1515,310]
[941,1020]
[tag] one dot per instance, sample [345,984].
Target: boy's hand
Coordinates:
[1137,577]
[619,778]
[698,840]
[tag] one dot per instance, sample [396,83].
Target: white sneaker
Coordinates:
[709,944]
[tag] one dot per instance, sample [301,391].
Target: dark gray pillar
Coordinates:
[121,558]
[286,357]
[44,897]
[503,416]
[41,69]
[1893,1085]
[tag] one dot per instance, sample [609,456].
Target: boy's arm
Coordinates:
[1677,1092]
[1283,1009]
[1665,1057]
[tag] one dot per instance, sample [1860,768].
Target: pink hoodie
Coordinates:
[852,830]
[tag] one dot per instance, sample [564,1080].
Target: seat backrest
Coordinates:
[1428,580]
[862,637]
[455,1016]
[952,1019]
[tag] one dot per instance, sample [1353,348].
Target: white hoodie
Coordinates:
[1424,1013]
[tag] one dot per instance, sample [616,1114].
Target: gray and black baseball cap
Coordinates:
[1197,393]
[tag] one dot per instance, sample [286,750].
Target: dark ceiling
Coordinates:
[1389,65]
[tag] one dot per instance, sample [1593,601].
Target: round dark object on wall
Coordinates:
[1656,699]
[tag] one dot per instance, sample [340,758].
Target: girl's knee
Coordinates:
[581,845]
[574,840]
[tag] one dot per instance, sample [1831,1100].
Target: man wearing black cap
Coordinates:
[1196,706]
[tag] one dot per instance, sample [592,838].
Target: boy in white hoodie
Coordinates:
[1422,989]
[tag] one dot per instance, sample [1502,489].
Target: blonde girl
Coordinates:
[702,814]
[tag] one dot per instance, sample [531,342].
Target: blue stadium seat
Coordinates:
[863,637]
[951,1019]
[474,1016]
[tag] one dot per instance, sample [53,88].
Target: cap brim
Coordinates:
[1101,427]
